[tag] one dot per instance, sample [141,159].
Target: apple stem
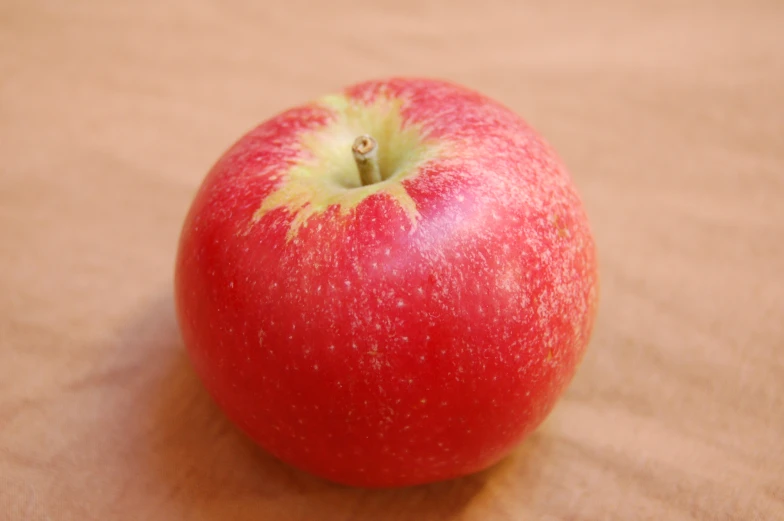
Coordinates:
[365,151]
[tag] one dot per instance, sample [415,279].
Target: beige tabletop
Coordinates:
[670,115]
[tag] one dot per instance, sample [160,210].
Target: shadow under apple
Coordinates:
[195,464]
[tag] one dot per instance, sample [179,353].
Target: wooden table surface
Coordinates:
[669,114]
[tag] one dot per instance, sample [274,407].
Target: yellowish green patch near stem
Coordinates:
[327,174]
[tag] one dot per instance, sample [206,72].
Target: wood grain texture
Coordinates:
[668,113]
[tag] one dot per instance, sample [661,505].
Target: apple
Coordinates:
[388,286]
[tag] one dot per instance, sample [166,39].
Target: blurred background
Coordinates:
[668,114]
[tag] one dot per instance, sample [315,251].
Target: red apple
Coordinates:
[401,313]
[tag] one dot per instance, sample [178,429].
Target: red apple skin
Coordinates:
[381,345]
